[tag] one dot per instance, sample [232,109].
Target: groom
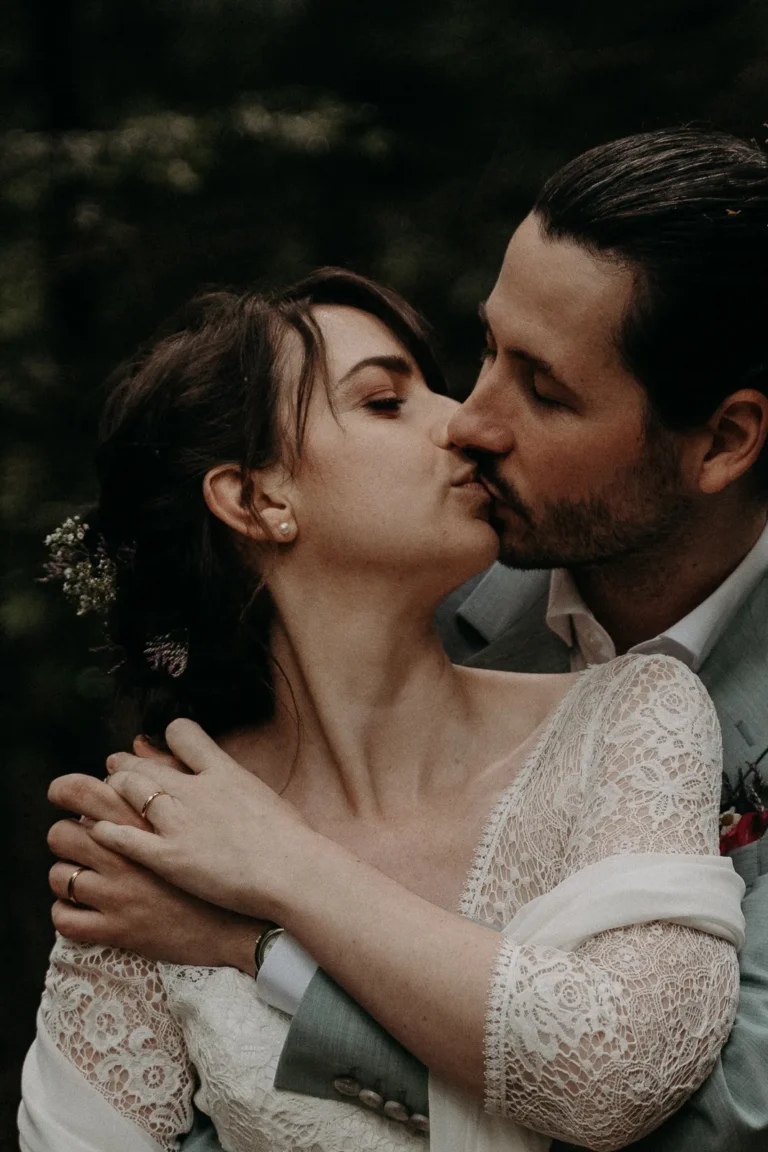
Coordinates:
[620,419]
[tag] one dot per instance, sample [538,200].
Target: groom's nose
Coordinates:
[482,423]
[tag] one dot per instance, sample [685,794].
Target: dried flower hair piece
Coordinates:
[168,654]
[88,575]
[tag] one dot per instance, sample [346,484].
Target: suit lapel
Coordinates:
[526,646]
[736,676]
[498,620]
[520,640]
[501,598]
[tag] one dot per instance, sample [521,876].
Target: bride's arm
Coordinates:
[109,1067]
[635,1016]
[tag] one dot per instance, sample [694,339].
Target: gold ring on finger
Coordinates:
[71,886]
[148,801]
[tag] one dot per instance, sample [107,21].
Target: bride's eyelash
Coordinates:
[385,404]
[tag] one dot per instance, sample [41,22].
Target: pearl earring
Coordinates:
[285,527]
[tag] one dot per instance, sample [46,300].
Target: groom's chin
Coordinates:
[519,550]
[523,562]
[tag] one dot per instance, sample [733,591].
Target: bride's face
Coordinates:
[378,486]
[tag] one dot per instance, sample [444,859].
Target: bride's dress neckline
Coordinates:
[528,754]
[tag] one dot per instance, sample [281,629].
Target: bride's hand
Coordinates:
[219,832]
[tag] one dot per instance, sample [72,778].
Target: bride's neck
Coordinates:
[378,704]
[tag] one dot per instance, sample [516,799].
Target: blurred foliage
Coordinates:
[148,149]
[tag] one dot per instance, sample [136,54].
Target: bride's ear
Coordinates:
[266,517]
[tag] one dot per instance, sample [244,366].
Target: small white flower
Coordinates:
[87,577]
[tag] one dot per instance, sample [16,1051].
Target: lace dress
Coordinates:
[595,1046]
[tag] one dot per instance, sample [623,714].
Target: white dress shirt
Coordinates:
[287,971]
[690,639]
[285,974]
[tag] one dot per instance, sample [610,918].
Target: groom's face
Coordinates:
[559,425]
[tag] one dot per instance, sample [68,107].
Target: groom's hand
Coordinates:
[128,906]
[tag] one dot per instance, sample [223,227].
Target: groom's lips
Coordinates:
[491,489]
[502,501]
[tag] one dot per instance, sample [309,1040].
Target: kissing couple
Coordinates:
[420,841]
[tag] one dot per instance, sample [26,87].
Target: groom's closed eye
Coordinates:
[551,387]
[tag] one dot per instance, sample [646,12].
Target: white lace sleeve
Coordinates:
[599,1046]
[107,1012]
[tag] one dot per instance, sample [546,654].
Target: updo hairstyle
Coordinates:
[210,391]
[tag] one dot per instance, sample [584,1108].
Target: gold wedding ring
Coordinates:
[71,887]
[148,801]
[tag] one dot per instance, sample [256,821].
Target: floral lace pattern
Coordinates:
[107,1011]
[235,1042]
[595,1046]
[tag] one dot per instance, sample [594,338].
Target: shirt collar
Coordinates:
[571,620]
[700,630]
[690,639]
[564,604]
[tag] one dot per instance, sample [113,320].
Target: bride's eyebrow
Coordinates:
[397,364]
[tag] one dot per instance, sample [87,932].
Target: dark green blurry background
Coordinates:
[150,147]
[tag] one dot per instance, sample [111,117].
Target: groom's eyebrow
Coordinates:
[397,364]
[527,358]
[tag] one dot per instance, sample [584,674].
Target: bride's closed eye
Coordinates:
[391,404]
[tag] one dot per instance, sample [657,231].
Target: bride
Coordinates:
[280,513]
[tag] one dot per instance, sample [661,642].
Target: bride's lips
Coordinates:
[472,485]
[475,487]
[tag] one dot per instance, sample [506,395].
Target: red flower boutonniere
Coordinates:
[744,808]
[740,828]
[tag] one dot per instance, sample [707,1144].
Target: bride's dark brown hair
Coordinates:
[209,392]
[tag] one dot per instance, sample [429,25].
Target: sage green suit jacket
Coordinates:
[498,621]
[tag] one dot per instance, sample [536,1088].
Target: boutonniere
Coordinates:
[744,807]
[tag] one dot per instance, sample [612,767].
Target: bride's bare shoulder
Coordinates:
[492,680]
[534,694]
[256,750]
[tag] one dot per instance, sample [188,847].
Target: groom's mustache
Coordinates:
[502,492]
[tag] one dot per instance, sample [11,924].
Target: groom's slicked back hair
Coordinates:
[688,210]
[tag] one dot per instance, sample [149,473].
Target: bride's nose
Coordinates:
[440,436]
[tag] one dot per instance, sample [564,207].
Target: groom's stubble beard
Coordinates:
[639,513]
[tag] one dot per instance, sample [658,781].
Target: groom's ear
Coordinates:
[259,510]
[737,433]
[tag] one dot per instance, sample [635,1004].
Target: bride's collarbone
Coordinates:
[427,851]
[513,706]
[426,846]
[507,710]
